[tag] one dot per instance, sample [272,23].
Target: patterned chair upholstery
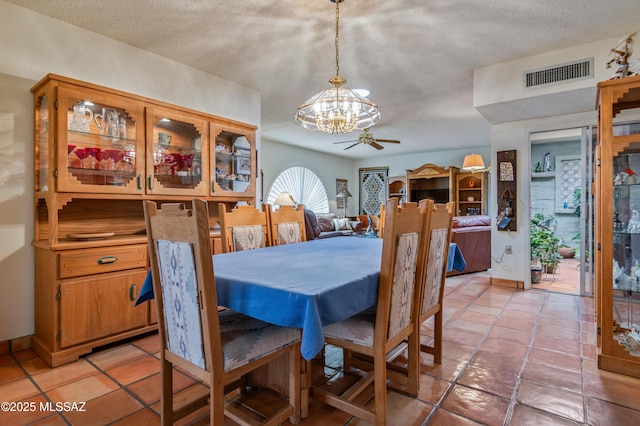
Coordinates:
[243,228]
[286,225]
[435,272]
[366,333]
[217,348]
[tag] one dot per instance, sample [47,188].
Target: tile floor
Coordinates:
[566,279]
[511,357]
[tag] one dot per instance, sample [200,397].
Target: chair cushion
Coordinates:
[288,233]
[357,329]
[245,338]
[248,237]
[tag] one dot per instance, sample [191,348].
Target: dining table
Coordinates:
[304,285]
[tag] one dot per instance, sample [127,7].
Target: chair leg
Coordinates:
[380,390]
[437,337]
[413,364]
[166,398]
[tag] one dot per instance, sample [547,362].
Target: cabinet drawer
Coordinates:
[76,263]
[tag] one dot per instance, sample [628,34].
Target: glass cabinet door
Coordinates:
[233,155]
[626,240]
[42,135]
[99,143]
[175,145]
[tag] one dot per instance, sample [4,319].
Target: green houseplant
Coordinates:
[544,244]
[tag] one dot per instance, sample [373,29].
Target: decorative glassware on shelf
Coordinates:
[79,121]
[626,247]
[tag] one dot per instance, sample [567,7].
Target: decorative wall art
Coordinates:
[507,190]
[340,185]
[373,189]
[568,179]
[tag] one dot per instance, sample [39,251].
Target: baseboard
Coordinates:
[506,282]
[15,345]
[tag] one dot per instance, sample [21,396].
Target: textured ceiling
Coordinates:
[416,57]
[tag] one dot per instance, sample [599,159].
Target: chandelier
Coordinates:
[337,109]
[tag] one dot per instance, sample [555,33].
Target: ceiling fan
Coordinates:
[368,139]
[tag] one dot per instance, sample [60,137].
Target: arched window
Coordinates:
[305,187]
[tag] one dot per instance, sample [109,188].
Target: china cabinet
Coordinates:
[471,193]
[617,229]
[433,182]
[98,153]
[397,187]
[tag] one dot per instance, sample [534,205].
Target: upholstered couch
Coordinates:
[472,234]
[324,226]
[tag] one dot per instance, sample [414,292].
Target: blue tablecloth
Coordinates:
[304,285]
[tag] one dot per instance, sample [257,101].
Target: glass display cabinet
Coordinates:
[175,142]
[233,159]
[98,152]
[617,257]
[93,141]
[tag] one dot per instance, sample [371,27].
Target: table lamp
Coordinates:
[344,194]
[284,199]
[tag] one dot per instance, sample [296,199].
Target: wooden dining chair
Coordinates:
[216,348]
[381,221]
[286,224]
[377,332]
[243,228]
[435,272]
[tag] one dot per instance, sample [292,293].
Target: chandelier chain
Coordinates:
[337,41]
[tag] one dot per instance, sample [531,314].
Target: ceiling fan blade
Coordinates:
[355,140]
[387,140]
[376,146]
[351,146]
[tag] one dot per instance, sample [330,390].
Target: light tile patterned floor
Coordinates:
[510,357]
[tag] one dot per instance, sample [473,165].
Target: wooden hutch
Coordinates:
[433,182]
[471,193]
[98,153]
[617,228]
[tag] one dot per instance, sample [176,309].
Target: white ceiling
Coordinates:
[416,57]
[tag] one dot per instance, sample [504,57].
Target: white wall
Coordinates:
[516,136]
[503,82]
[277,157]
[33,45]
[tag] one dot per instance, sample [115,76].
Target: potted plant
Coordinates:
[544,245]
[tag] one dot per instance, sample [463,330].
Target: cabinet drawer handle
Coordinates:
[107,259]
[132,295]
[213,186]
[150,182]
[138,182]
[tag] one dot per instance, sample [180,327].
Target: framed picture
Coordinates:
[243,165]
[340,185]
[507,190]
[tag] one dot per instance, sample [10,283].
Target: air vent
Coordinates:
[571,71]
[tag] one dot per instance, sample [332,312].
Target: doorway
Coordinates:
[561,176]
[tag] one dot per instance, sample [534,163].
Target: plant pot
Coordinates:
[536,275]
[567,252]
[550,269]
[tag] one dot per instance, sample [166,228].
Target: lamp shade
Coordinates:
[343,194]
[473,163]
[284,199]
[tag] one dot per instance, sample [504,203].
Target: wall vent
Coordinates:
[571,71]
